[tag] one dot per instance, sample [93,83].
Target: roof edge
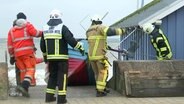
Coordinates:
[138,11]
[163,12]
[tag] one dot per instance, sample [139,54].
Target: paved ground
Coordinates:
[86,95]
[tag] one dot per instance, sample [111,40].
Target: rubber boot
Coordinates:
[101,93]
[49,98]
[23,88]
[61,99]
[107,90]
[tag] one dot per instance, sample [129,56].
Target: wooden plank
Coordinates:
[157,92]
[127,83]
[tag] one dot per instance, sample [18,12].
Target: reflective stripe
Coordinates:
[50,91]
[61,92]
[23,48]
[26,37]
[30,69]
[64,83]
[169,55]
[163,48]
[57,56]
[158,38]
[100,85]
[28,76]
[96,57]
[56,46]
[95,46]
[77,45]
[52,36]
[25,32]
[10,47]
[158,51]
[53,33]
[97,40]
[23,38]
[27,79]
[94,37]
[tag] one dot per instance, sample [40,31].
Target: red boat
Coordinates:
[80,72]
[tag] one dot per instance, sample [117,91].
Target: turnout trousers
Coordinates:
[100,69]
[58,77]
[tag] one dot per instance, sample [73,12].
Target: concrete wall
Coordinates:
[148,78]
[3,81]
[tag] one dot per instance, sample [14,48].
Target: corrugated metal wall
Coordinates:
[173,27]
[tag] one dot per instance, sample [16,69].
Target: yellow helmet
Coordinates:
[55,14]
[148,28]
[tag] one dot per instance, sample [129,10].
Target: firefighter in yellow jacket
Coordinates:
[97,40]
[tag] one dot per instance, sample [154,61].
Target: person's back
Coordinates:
[54,45]
[97,40]
[22,37]
[159,41]
[21,47]
[96,33]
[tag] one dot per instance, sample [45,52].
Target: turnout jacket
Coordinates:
[161,44]
[55,40]
[97,40]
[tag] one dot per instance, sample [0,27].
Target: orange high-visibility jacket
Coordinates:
[20,38]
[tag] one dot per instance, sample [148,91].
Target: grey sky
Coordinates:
[37,12]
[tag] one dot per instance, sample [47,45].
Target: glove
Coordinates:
[81,49]
[12,60]
[108,47]
[123,30]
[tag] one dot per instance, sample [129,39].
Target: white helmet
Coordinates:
[96,18]
[55,14]
[148,28]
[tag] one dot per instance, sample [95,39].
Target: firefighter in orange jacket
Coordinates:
[97,39]
[21,47]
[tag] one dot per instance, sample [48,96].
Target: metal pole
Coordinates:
[142,3]
[82,21]
[6,57]
[137,4]
[105,15]
[127,37]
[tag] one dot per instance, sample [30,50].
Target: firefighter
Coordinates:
[158,40]
[20,73]
[21,48]
[97,39]
[54,45]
